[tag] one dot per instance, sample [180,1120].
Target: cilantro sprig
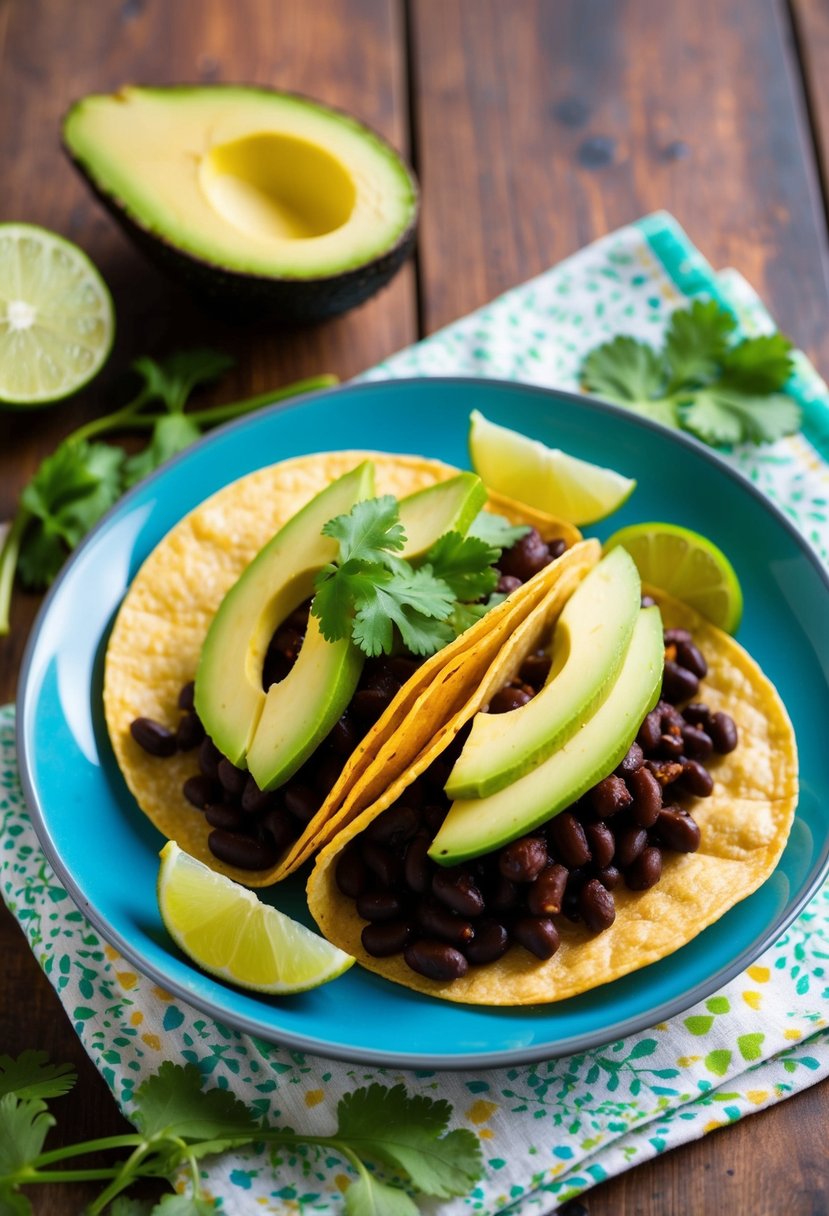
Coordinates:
[703,380]
[179,1122]
[373,595]
[77,483]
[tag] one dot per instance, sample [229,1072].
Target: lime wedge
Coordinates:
[687,566]
[56,316]
[227,931]
[547,478]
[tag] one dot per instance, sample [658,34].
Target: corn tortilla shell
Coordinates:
[744,827]
[161,625]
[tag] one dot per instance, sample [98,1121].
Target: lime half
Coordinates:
[56,316]
[525,469]
[227,931]
[687,566]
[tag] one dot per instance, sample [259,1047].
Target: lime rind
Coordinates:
[686,565]
[547,478]
[227,931]
[57,320]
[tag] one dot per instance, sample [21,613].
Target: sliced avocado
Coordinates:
[590,640]
[480,825]
[269,197]
[449,506]
[229,694]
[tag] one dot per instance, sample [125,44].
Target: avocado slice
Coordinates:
[300,710]
[270,198]
[229,697]
[589,643]
[480,825]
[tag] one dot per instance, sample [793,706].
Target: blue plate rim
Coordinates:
[448,1061]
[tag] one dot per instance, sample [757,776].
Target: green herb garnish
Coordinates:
[702,380]
[179,1122]
[370,591]
[80,480]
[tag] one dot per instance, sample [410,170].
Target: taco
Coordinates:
[690,820]
[188,788]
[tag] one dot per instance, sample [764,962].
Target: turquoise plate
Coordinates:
[106,852]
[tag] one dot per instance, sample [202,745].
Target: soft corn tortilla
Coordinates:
[159,631]
[744,826]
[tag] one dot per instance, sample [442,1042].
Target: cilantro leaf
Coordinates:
[370,532]
[12,1203]
[407,1133]
[31,1075]
[173,379]
[173,1102]
[368,1196]
[24,1123]
[416,603]
[123,1206]
[721,414]
[497,531]
[624,370]
[465,564]
[172,433]
[696,342]
[184,1205]
[464,616]
[759,365]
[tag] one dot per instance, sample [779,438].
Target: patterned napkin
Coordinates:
[550,1130]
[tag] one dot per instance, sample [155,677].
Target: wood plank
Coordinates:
[542,126]
[346,52]
[810,26]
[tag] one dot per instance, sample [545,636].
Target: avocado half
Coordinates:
[266,200]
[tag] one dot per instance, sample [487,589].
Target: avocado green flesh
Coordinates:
[229,696]
[589,643]
[481,825]
[449,506]
[245,179]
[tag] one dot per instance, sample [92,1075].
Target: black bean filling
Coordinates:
[251,828]
[445,920]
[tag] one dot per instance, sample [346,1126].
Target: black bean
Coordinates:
[386,938]
[436,960]
[299,617]
[677,830]
[402,667]
[696,779]
[189,732]
[351,872]
[369,703]
[697,714]
[678,684]
[186,697]
[395,826]
[647,797]
[672,636]
[417,865]
[556,547]
[278,827]
[523,859]
[233,779]
[256,801]
[536,668]
[696,743]
[507,699]
[632,762]
[609,877]
[153,737]
[326,769]
[670,718]
[665,771]
[456,888]
[568,840]
[608,797]
[526,557]
[601,842]
[670,745]
[274,669]
[723,732]
[692,659]
[228,818]
[503,895]
[537,934]
[434,814]
[288,642]
[629,844]
[491,942]
[598,911]
[646,871]
[507,583]
[200,791]
[245,852]
[377,905]
[300,801]
[209,757]
[437,921]
[386,866]
[546,894]
[649,731]
[345,735]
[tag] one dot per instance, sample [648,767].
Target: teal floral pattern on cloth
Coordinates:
[551,1130]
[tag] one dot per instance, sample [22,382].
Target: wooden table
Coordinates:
[535,126]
